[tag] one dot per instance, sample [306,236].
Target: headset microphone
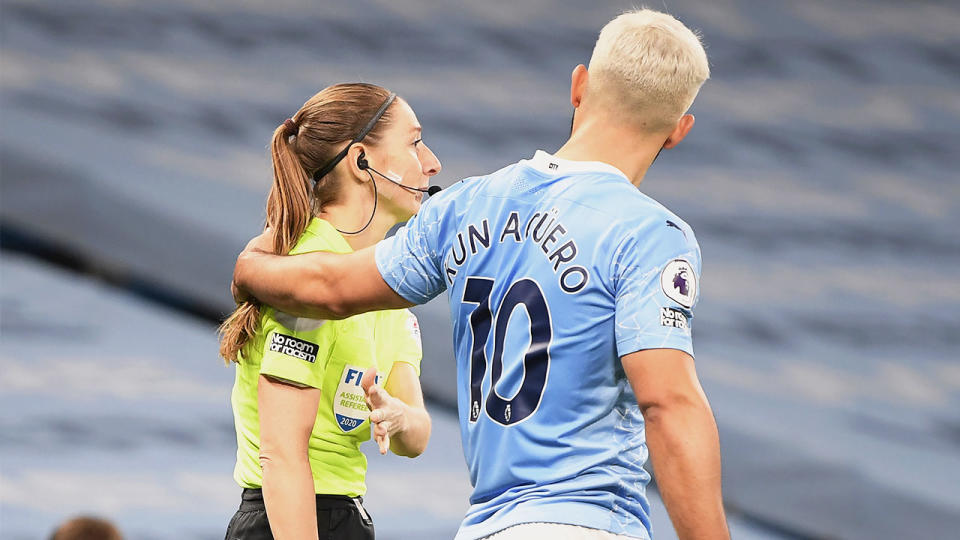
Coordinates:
[363,164]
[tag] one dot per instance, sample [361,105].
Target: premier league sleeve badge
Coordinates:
[679,282]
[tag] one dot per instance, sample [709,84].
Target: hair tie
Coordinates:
[291,126]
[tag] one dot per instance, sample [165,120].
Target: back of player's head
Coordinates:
[87,528]
[648,67]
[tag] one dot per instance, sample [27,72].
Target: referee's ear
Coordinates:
[578,84]
[353,162]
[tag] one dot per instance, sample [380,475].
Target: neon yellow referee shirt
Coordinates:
[331,356]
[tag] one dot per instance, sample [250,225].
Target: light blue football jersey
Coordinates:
[555,269]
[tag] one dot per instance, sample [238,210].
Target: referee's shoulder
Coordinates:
[311,241]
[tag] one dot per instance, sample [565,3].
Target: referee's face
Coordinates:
[407,159]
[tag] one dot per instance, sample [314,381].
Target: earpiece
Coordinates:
[362,161]
[364,165]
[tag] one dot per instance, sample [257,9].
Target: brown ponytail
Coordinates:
[300,147]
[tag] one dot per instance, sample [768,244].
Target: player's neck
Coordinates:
[625,149]
[351,217]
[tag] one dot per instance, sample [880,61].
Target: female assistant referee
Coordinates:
[299,407]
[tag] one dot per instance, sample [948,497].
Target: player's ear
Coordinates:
[578,84]
[679,131]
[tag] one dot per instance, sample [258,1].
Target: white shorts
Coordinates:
[553,531]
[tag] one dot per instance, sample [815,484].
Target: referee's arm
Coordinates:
[682,437]
[287,413]
[318,285]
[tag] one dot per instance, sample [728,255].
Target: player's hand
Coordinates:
[387,413]
[263,242]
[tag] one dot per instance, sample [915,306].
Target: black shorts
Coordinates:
[338,518]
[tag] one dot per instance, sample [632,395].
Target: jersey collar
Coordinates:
[550,164]
[323,229]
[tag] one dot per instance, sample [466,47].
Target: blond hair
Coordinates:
[648,66]
[299,148]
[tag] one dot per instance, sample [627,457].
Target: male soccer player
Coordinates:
[571,295]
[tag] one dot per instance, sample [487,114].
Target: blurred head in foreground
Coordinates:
[87,528]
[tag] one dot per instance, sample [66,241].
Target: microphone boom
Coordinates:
[432,190]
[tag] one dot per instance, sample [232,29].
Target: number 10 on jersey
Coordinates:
[536,359]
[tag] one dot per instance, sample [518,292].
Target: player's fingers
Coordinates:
[263,242]
[239,295]
[376,416]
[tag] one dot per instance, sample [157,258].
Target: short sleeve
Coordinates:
[657,284]
[297,349]
[398,338]
[410,260]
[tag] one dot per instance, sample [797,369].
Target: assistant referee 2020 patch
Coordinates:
[295,347]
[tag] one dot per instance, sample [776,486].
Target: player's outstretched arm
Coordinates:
[683,440]
[316,285]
